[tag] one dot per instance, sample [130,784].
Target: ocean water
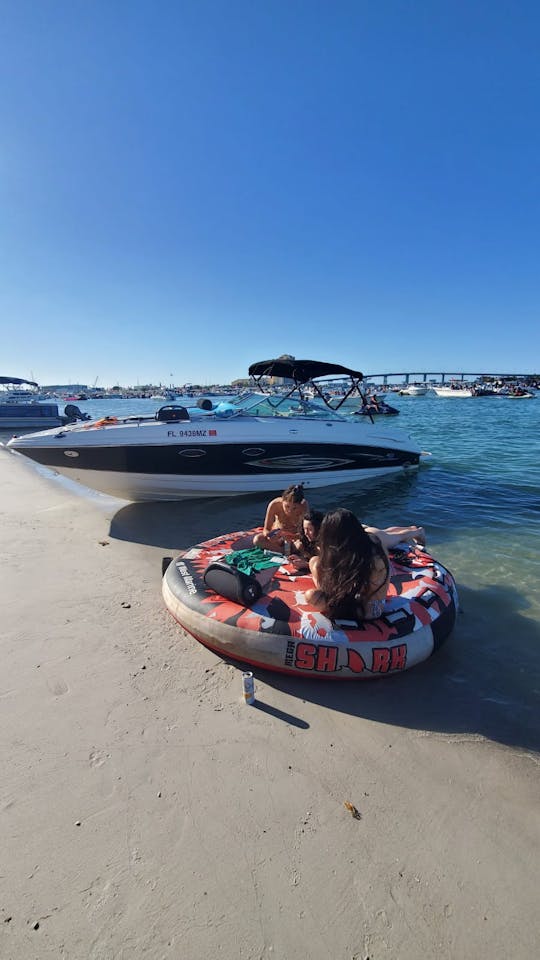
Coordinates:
[478,496]
[479,501]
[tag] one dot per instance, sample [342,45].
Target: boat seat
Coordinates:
[172,413]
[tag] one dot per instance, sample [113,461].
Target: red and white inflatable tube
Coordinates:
[280,631]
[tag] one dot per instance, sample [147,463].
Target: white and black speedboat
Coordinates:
[257,442]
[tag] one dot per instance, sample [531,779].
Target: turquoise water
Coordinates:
[479,497]
[479,500]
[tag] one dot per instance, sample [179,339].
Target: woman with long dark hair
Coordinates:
[351,570]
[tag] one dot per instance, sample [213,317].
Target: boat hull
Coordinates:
[455,393]
[158,486]
[30,423]
[29,416]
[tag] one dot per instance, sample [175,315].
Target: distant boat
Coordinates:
[21,409]
[454,390]
[414,390]
[14,390]
[166,395]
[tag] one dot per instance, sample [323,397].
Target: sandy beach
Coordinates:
[147,812]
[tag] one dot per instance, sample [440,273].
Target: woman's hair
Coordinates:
[316,518]
[295,493]
[309,548]
[346,555]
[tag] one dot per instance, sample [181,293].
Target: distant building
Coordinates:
[64,387]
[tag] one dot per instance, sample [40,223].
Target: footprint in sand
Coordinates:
[57,687]
[97,758]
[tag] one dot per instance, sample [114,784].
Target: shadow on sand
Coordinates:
[176,525]
[180,524]
[474,685]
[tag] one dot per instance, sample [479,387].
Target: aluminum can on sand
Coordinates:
[248,686]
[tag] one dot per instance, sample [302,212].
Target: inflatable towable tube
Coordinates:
[279,631]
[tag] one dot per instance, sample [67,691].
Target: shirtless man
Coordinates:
[283,520]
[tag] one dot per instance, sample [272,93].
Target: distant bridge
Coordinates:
[441,377]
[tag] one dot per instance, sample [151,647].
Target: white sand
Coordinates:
[209,828]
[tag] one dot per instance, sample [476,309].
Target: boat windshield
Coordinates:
[269,405]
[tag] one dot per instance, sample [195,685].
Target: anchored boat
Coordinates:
[259,441]
[22,409]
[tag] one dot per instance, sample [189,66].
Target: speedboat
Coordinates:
[454,390]
[260,441]
[414,390]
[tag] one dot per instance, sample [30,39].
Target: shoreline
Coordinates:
[147,812]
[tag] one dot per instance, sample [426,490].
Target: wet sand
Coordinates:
[145,811]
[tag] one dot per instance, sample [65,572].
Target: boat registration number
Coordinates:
[192,433]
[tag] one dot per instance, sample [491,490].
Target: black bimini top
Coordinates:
[301,371]
[18,381]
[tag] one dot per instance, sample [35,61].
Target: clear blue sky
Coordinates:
[190,186]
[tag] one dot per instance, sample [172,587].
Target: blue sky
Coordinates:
[187,187]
